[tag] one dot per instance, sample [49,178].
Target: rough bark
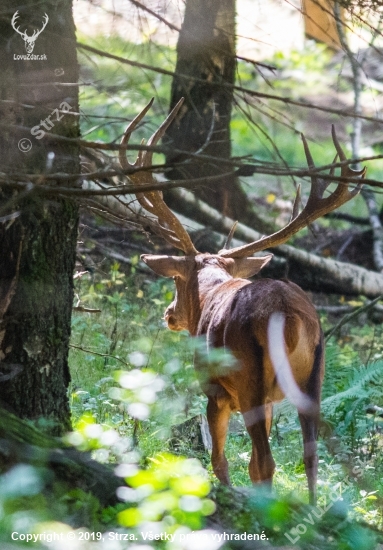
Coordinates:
[38,247]
[206,51]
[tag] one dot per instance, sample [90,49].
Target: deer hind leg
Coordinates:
[310,422]
[269,417]
[258,423]
[218,415]
[309,425]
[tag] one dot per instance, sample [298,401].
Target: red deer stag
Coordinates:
[213,298]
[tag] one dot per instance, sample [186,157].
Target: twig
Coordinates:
[85,309]
[79,274]
[350,316]
[344,246]
[98,354]
[347,218]
[155,14]
[283,99]
[119,257]
[337,310]
[10,217]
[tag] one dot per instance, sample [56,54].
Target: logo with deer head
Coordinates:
[29,40]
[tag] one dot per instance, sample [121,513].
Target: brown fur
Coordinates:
[234,313]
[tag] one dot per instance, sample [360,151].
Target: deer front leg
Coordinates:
[218,415]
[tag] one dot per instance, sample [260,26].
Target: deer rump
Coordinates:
[237,316]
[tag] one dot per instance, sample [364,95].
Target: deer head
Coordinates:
[235,262]
[29,40]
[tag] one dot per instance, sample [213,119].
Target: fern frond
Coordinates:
[359,386]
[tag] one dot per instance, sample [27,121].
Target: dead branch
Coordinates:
[85,309]
[119,257]
[107,355]
[349,316]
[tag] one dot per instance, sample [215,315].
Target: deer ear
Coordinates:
[246,267]
[167,266]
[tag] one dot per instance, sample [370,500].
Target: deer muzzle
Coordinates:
[171,318]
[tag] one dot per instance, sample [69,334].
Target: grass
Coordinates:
[129,334]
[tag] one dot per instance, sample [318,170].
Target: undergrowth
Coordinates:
[129,335]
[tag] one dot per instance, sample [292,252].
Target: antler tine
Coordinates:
[318,185]
[125,164]
[230,236]
[161,131]
[316,205]
[16,15]
[152,201]
[296,204]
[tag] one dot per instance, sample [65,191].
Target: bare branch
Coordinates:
[283,99]
[349,316]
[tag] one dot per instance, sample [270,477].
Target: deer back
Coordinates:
[236,314]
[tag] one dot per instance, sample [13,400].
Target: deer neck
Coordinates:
[208,280]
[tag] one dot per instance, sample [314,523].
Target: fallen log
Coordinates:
[21,442]
[310,271]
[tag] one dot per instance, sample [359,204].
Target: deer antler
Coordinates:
[35,32]
[169,225]
[45,22]
[316,205]
[13,23]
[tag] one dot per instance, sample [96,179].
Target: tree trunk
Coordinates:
[206,59]
[38,247]
[357,62]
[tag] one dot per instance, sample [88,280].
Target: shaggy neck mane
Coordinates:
[208,278]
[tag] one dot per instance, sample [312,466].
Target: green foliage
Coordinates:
[124,402]
[120,91]
[132,379]
[170,492]
[33,504]
[361,384]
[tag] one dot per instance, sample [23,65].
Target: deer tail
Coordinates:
[281,364]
